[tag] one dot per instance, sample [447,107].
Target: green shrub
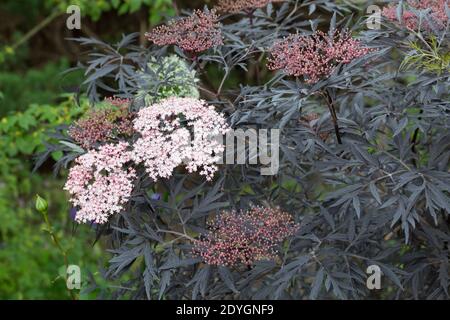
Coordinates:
[30,266]
[38,86]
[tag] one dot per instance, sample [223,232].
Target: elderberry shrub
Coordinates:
[363,179]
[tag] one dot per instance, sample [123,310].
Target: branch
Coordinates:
[332,109]
[36,29]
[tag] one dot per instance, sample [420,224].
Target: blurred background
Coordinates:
[33,99]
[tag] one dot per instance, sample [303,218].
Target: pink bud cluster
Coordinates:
[411,21]
[316,56]
[236,6]
[245,237]
[118,102]
[103,124]
[179,131]
[195,33]
[100,182]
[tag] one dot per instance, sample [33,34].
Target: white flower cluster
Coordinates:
[179,131]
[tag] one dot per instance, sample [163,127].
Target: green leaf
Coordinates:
[115,3]
[135,5]
[72,146]
[57,155]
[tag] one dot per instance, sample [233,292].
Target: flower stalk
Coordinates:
[42,207]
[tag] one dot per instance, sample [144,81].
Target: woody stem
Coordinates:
[331,107]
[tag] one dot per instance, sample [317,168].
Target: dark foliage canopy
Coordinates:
[380,197]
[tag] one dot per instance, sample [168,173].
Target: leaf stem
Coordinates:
[331,107]
[57,243]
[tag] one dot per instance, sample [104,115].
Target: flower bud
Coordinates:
[41,204]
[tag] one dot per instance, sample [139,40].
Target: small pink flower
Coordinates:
[195,33]
[245,237]
[100,183]
[316,56]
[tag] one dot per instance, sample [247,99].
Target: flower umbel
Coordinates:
[99,183]
[316,56]
[194,34]
[245,237]
[102,125]
[246,6]
[177,131]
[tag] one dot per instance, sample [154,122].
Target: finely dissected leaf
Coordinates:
[317,284]
[101,73]
[374,191]
[176,263]
[227,277]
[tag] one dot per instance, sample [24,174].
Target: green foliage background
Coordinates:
[31,103]
[29,265]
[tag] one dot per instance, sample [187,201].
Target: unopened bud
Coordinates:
[41,204]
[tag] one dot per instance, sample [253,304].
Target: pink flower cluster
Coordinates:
[316,56]
[245,237]
[411,20]
[172,132]
[100,183]
[195,33]
[176,131]
[103,124]
[247,6]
